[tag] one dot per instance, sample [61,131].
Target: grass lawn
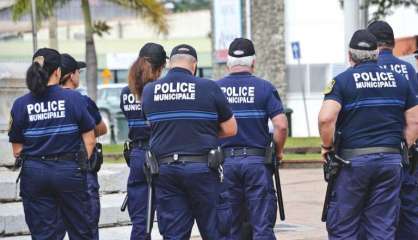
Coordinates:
[294,142]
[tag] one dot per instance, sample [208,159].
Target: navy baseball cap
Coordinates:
[47,57]
[69,64]
[154,52]
[241,47]
[363,40]
[382,31]
[184,49]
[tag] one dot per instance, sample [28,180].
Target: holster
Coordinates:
[82,158]
[151,167]
[96,160]
[413,158]
[268,158]
[406,154]
[18,163]
[127,152]
[215,158]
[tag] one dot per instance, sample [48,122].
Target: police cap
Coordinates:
[184,49]
[363,40]
[47,57]
[69,64]
[382,31]
[154,53]
[241,47]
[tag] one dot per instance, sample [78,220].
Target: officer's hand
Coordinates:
[279,156]
[324,154]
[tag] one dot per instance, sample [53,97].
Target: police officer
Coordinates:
[373,108]
[70,79]
[47,128]
[187,115]
[147,67]
[408,217]
[247,176]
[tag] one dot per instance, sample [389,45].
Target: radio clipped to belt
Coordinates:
[127,151]
[215,162]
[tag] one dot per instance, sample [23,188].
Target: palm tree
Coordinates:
[152,10]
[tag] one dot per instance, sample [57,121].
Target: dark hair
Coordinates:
[142,72]
[37,78]
[44,63]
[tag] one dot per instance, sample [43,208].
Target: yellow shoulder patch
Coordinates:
[329,87]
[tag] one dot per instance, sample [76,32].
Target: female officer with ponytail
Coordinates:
[147,68]
[47,128]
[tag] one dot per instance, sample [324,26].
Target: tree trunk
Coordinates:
[267,24]
[91,57]
[53,31]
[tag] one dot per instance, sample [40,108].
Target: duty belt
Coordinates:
[175,158]
[354,152]
[244,151]
[54,157]
[139,144]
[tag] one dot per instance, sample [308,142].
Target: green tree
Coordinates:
[385,7]
[152,10]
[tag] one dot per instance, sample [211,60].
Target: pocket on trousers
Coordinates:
[224,215]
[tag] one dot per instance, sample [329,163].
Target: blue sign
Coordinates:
[296,50]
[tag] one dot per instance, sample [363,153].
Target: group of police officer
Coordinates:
[199,149]
[367,123]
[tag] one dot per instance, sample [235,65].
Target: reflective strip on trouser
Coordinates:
[249,189]
[47,186]
[185,193]
[94,201]
[138,195]
[408,216]
[365,201]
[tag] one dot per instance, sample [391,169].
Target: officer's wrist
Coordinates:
[326,147]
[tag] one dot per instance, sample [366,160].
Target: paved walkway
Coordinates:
[303,191]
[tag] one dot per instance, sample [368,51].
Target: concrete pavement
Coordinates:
[303,191]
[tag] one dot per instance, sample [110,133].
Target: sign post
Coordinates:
[297,56]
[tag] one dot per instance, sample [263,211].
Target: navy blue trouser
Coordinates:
[249,189]
[94,201]
[138,195]
[365,201]
[408,216]
[46,187]
[186,192]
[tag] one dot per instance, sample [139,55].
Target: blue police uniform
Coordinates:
[366,194]
[50,128]
[139,132]
[247,178]
[185,112]
[92,183]
[408,216]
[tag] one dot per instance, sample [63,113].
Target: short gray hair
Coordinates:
[363,55]
[242,61]
[183,57]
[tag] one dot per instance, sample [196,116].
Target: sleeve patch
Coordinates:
[329,87]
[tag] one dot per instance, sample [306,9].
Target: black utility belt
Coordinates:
[354,152]
[55,157]
[243,151]
[176,158]
[139,144]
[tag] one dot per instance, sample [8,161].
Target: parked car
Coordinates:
[108,102]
